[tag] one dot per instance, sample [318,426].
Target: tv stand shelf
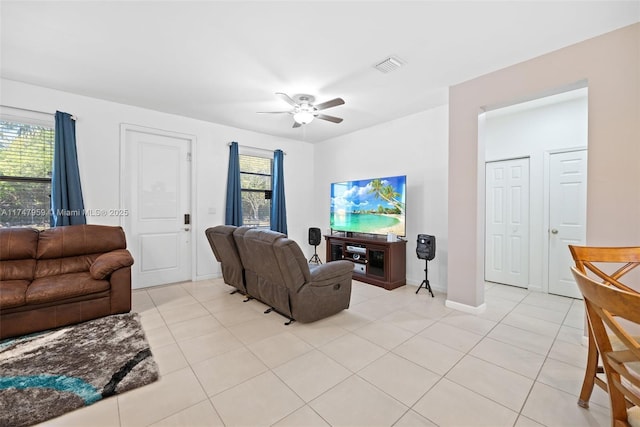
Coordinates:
[375,260]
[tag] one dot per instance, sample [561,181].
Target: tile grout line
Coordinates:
[387,351]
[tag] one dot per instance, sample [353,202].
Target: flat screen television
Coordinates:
[369,206]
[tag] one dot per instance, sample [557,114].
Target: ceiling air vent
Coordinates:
[389,65]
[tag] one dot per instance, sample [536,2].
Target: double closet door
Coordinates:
[507,220]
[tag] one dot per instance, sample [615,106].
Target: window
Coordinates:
[255,182]
[26,162]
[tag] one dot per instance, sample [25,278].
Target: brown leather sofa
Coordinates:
[61,276]
[276,272]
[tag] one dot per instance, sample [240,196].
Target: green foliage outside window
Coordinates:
[26,161]
[255,181]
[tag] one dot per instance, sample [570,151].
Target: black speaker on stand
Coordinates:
[426,250]
[315,237]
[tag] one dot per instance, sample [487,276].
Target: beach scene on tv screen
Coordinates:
[373,206]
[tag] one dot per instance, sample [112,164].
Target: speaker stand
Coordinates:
[315,259]
[425,282]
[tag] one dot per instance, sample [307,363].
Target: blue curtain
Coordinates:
[67,207]
[233,212]
[278,206]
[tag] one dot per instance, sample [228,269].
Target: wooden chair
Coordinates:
[594,261]
[605,306]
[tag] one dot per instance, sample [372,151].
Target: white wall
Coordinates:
[532,130]
[415,146]
[98,140]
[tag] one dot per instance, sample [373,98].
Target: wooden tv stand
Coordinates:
[375,260]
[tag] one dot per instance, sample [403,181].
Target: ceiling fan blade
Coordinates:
[273,112]
[296,125]
[329,118]
[328,104]
[286,98]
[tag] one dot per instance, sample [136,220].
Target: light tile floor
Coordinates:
[393,359]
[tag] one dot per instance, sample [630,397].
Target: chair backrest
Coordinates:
[607,263]
[606,305]
[238,236]
[249,264]
[269,286]
[224,248]
[293,264]
[260,250]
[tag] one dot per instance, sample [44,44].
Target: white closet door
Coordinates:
[507,222]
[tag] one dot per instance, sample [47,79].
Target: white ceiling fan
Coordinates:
[304,110]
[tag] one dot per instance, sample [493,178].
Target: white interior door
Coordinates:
[156,188]
[567,217]
[507,222]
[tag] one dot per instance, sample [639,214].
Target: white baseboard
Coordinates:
[466,308]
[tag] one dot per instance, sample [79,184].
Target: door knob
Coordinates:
[554,231]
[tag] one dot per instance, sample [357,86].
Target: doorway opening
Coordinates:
[551,134]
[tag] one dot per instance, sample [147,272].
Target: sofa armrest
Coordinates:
[109,262]
[331,270]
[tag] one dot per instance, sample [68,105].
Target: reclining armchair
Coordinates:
[224,249]
[287,284]
[268,266]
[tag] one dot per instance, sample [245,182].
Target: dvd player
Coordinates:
[356,249]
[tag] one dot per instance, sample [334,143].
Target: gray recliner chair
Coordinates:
[224,249]
[249,264]
[268,266]
[287,284]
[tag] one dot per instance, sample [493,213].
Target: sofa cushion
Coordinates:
[18,248]
[18,243]
[74,248]
[60,287]
[23,269]
[12,293]
[58,266]
[75,240]
[107,263]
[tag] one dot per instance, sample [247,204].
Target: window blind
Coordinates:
[26,163]
[255,173]
[255,183]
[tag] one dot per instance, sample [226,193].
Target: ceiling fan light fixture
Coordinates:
[303,117]
[305,111]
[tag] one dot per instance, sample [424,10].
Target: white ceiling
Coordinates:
[222,61]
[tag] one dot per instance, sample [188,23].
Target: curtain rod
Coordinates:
[34,111]
[256,148]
